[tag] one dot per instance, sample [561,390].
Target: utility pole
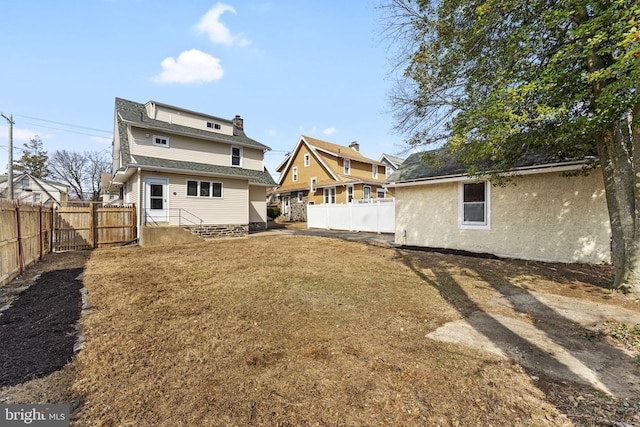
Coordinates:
[10,159]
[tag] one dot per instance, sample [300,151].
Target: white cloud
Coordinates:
[21,134]
[192,66]
[329,131]
[272,132]
[311,131]
[218,33]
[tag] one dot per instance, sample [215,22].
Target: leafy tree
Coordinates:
[494,79]
[33,159]
[81,171]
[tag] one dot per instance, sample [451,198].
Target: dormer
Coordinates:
[179,116]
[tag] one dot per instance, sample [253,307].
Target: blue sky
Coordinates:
[318,68]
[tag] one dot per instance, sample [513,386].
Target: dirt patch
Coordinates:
[38,317]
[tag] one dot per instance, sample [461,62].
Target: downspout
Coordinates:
[140,201]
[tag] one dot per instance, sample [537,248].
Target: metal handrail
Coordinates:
[182,219]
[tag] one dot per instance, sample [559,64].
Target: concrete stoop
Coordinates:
[166,236]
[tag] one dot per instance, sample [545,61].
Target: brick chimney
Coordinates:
[355,145]
[238,123]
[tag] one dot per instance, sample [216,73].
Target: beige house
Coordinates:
[29,189]
[184,168]
[318,172]
[545,216]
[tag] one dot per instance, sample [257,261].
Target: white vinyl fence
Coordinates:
[377,216]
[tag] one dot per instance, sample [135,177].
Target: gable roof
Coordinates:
[135,114]
[394,160]
[17,178]
[315,146]
[415,171]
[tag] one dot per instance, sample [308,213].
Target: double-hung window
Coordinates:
[314,182]
[307,160]
[349,193]
[347,167]
[294,174]
[374,171]
[204,189]
[474,205]
[236,156]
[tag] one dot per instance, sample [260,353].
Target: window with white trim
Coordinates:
[388,171]
[474,205]
[215,126]
[374,171]
[25,183]
[307,160]
[347,167]
[204,189]
[37,198]
[236,156]
[329,195]
[367,192]
[314,182]
[294,174]
[380,193]
[162,141]
[300,197]
[349,193]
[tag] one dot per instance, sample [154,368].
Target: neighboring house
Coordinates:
[319,172]
[545,216]
[107,196]
[392,163]
[29,189]
[186,168]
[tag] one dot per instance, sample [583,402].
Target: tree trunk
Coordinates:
[620,185]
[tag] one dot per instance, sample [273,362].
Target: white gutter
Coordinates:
[528,170]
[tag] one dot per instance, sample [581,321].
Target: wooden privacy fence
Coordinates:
[29,232]
[25,236]
[87,227]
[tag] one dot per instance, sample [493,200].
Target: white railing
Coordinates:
[373,216]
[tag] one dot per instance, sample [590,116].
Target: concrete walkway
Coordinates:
[385,239]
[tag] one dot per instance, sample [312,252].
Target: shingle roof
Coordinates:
[414,168]
[339,150]
[136,113]
[255,177]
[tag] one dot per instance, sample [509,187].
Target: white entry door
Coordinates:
[156,200]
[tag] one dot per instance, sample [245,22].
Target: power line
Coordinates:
[64,124]
[70,131]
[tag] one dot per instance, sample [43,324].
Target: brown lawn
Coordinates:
[296,330]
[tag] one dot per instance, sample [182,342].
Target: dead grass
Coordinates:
[293,330]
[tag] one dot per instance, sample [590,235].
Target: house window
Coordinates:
[25,183]
[380,193]
[314,181]
[204,189]
[37,197]
[294,174]
[349,193]
[162,141]
[367,192]
[300,197]
[236,156]
[474,200]
[329,195]
[215,126]
[388,171]
[307,160]
[374,171]
[347,167]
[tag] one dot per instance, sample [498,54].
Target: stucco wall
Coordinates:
[545,217]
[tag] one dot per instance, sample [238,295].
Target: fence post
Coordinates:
[92,226]
[20,252]
[40,235]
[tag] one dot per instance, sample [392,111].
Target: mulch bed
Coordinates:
[38,331]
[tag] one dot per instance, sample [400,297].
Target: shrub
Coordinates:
[273,212]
